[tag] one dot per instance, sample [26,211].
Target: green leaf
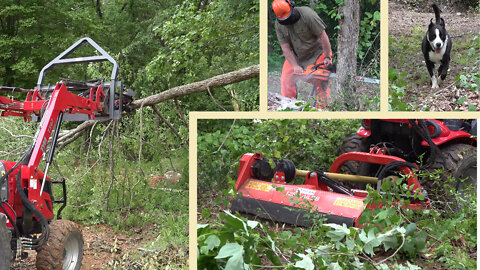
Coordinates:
[252,224]
[334,266]
[382,215]
[410,229]
[350,243]
[338,232]
[306,262]
[235,263]
[421,241]
[461,100]
[370,242]
[212,242]
[389,242]
[229,250]
[205,212]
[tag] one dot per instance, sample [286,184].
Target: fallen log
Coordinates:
[179,91]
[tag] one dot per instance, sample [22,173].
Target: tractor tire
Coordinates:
[354,143]
[460,162]
[5,247]
[64,248]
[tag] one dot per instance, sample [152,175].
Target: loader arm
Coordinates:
[61,102]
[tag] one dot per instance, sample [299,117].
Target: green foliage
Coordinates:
[234,242]
[396,93]
[310,143]
[199,43]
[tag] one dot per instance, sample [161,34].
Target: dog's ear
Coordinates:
[442,22]
[431,24]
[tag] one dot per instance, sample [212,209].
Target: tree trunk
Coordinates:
[347,44]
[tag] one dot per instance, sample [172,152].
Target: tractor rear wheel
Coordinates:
[458,162]
[354,143]
[5,248]
[64,248]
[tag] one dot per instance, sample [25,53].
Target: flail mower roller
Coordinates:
[265,191]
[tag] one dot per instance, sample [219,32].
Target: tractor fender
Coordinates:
[453,137]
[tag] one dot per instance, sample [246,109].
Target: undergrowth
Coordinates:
[391,237]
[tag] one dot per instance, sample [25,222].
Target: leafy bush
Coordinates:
[310,143]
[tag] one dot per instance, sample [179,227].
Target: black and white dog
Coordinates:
[436,48]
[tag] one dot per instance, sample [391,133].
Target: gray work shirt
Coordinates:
[303,36]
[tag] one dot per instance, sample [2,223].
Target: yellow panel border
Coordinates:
[384,55]
[263,56]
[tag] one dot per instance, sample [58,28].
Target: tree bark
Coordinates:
[347,44]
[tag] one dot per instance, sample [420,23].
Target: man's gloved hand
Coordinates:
[327,61]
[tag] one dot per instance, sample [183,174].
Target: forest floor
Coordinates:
[410,84]
[106,248]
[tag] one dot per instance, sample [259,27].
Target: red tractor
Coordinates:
[27,219]
[381,150]
[448,145]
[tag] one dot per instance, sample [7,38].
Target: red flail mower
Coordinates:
[27,219]
[265,191]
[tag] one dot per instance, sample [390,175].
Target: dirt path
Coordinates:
[402,19]
[102,246]
[407,26]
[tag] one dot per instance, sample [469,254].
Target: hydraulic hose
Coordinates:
[422,130]
[394,164]
[14,224]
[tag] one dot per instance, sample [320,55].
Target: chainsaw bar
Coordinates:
[360,79]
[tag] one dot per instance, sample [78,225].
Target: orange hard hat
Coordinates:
[282,9]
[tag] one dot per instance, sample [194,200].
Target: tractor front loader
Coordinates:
[27,219]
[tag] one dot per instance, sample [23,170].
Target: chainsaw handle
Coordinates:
[321,65]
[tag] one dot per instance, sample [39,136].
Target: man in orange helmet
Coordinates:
[302,37]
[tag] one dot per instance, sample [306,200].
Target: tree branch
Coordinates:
[159,114]
[217,81]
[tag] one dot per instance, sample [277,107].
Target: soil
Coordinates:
[102,245]
[405,21]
